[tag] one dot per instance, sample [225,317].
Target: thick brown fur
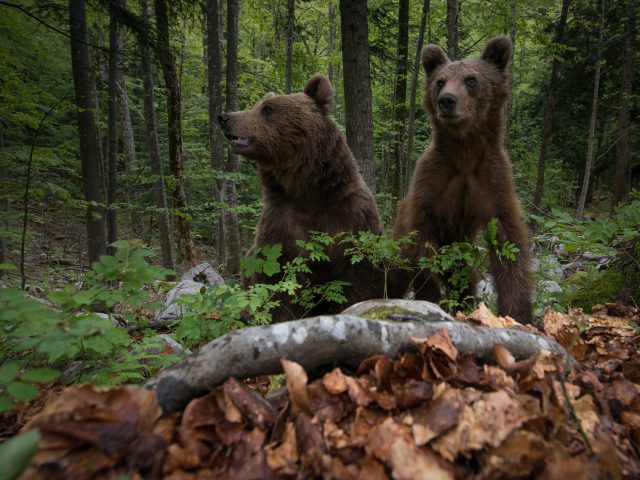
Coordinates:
[310,182]
[464,177]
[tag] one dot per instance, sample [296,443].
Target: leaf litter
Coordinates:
[433,412]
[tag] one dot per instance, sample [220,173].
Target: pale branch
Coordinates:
[319,341]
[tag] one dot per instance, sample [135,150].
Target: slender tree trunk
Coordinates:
[332,42]
[619,181]
[550,106]
[356,74]
[214,90]
[400,96]
[408,169]
[112,124]
[509,107]
[155,160]
[291,21]
[4,200]
[453,29]
[187,249]
[229,196]
[594,115]
[85,103]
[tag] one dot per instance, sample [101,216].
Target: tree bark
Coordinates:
[332,42]
[453,29]
[594,116]
[214,91]
[187,249]
[327,340]
[356,74]
[85,104]
[112,126]
[155,160]
[291,20]
[229,194]
[509,107]
[550,106]
[619,180]
[408,168]
[400,96]
[4,201]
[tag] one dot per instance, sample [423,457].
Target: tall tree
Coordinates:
[112,125]
[509,107]
[332,41]
[187,248]
[594,116]
[231,229]
[400,95]
[356,74]
[291,20]
[619,180]
[408,167]
[214,91]
[453,29]
[85,103]
[155,160]
[550,104]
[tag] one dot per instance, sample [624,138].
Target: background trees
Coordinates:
[277,45]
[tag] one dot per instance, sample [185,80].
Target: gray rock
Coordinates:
[399,310]
[176,346]
[550,286]
[203,273]
[485,287]
[172,311]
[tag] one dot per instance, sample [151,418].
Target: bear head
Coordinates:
[466,95]
[281,128]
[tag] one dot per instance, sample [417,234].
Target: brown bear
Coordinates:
[310,182]
[464,178]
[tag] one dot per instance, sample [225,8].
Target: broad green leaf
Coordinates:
[9,372]
[41,375]
[22,391]
[16,452]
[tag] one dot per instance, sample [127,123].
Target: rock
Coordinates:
[398,310]
[203,273]
[172,311]
[550,286]
[485,287]
[174,345]
[116,320]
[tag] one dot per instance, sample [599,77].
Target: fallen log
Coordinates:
[343,339]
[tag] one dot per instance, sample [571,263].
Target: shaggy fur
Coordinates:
[464,177]
[310,182]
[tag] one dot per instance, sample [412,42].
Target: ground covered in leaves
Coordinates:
[432,412]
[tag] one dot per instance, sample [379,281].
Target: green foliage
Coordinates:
[16,452]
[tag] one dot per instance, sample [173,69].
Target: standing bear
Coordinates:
[464,178]
[310,183]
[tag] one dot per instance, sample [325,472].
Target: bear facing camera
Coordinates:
[464,178]
[310,183]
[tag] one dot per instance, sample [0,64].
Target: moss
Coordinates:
[383,313]
[600,287]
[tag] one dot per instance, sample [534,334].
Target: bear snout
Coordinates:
[447,104]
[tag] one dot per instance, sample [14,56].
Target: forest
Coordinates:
[127,225]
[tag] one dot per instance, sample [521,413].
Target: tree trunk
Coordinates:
[155,160]
[509,107]
[85,103]
[229,195]
[187,249]
[550,106]
[291,20]
[4,202]
[356,76]
[332,42]
[214,91]
[408,168]
[400,96]
[594,115]
[453,29]
[619,181]
[112,125]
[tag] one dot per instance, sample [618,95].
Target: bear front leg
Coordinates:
[512,278]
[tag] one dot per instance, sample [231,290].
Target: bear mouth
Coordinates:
[238,142]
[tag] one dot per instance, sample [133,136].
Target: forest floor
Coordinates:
[432,412]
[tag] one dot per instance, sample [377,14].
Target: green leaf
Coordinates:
[16,453]
[41,375]
[8,372]
[7,266]
[6,404]
[22,391]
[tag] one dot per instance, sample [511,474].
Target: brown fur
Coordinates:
[310,182]
[464,177]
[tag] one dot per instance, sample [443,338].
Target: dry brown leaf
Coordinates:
[442,415]
[297,385]
[335,381]
[410,462]
[286,453]
[485,317]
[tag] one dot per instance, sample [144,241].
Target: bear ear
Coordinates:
[498,52]
[319,88]
[432,57]
[270,95]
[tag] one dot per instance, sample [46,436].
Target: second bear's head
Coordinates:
[282,127]
[468,94]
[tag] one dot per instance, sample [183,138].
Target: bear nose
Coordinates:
[446,102]
[223,118]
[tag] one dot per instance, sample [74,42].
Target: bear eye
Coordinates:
[440,83]
[470,82]
[266,110]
